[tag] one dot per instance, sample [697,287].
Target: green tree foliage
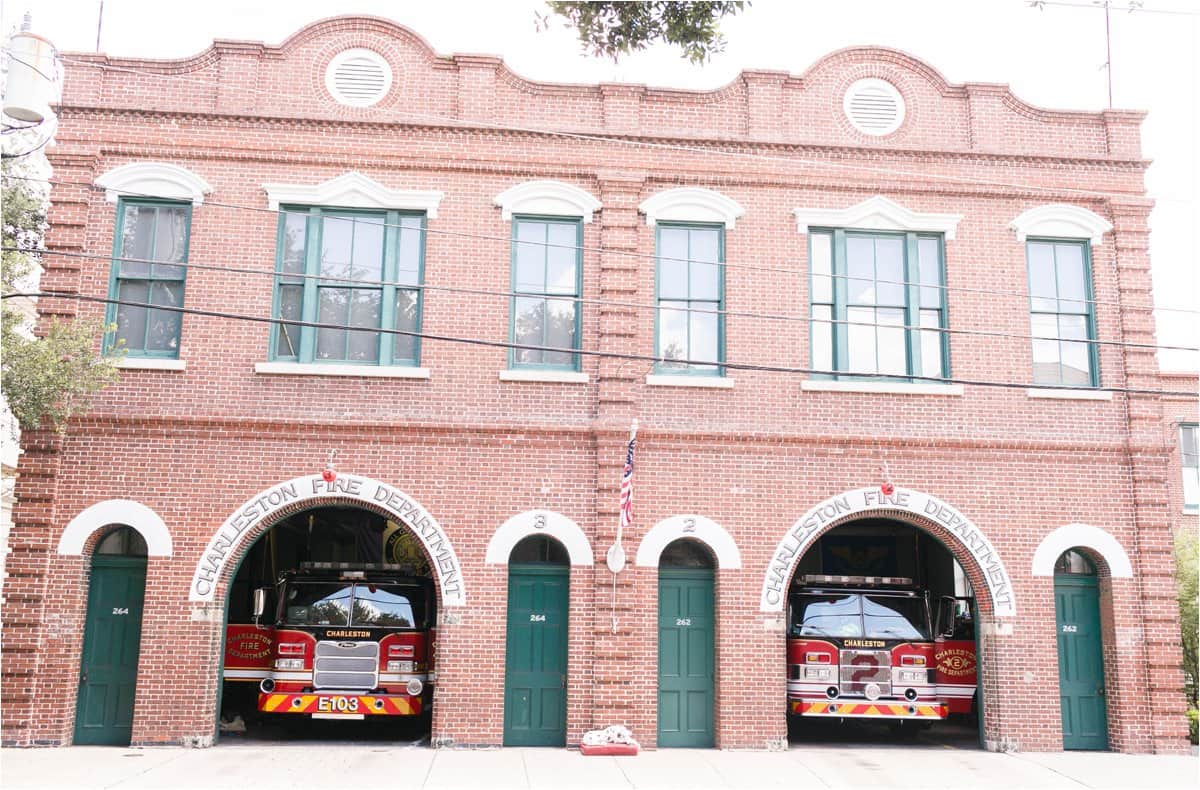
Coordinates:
[1186,578]
[46,379]
[615,29]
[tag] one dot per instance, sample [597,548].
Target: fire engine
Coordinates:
[346,641]
[865,647]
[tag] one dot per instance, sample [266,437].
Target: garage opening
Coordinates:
[330,633]
[881,643]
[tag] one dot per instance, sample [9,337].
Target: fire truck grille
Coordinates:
[862,667]
[346,665]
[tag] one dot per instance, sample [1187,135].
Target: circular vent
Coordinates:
[874,106]
[358,77]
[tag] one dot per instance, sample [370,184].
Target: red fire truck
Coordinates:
[865,647]
[347,641]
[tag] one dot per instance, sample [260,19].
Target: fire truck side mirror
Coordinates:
[260,602]
[945,618]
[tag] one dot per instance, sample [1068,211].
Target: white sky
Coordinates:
[1051,57]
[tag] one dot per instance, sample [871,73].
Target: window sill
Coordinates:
[1069,394]
[546,376]
[366,371]
[709,382]
[882,387]
[151,363]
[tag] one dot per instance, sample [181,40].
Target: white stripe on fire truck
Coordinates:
[251,674]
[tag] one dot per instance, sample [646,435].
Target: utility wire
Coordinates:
[583,352]
[343,281]
[1131,8]
[870,169]
[599,250]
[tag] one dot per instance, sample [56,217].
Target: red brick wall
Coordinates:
[192,445]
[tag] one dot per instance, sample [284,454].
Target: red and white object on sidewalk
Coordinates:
[615,740]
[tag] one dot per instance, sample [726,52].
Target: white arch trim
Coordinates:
[863,501]
[877,213]
[354,190]
[153,179]
[227,542]
[705,530]
[1088,537]
[539,522]
[553,198]
[1060,220]
[117,511]
[691,204]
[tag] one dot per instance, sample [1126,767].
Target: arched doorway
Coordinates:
[112,637]
[535,671]
[1080,652]
[686,637]
[881,637]
[342,645]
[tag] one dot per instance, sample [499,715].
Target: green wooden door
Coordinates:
[535,677]
[685,657]
[108,669]
[1080,662]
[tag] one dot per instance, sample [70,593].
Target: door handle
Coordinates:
[83,678]
[1100,691]
[563,680]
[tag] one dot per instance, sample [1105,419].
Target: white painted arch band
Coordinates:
[353,190]
[705,530]
[691,204]
[1081,536]
[117,511]
[228,542]
[1060,221]
[862,502]
[539,522]
[877,213]
[547,197]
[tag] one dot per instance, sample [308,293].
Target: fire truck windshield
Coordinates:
[858,615]
[341,604]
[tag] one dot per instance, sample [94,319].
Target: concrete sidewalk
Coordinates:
[259,767]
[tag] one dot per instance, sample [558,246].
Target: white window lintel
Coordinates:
[354,190]
[322,369]
[153,180]
[877,213]
[547,197]
[1060,220]
[691,204]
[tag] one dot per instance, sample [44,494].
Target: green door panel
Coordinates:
[112,636]
[685,658]
[1080,662]
[535,677]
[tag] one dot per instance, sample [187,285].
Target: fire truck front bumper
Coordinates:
[863,709]
[345,706]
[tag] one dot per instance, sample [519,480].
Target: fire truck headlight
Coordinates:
[289,663]
[814,673]
[399,666]
[414,687]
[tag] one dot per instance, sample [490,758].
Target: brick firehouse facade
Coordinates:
[804,287]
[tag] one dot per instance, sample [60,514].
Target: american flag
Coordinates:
[627,483]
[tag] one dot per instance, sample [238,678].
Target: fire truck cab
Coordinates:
[350,641]
[865,647]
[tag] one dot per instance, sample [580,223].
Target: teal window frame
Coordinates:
[707,369]
[1189,462]
[838,331]
[575,297]
[311,282]
[116,277]
[1088,313]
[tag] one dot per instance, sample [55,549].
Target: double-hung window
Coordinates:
[691,299]
[1189,459]
[878,304]
[1061,319]
[150,253]
[354,273]
[546,284]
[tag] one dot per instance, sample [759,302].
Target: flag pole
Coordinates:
[616,552]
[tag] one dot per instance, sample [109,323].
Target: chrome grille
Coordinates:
[860,667]
[346,665]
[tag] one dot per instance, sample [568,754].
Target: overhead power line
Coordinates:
[602,250]
[648,358]
[802,319]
